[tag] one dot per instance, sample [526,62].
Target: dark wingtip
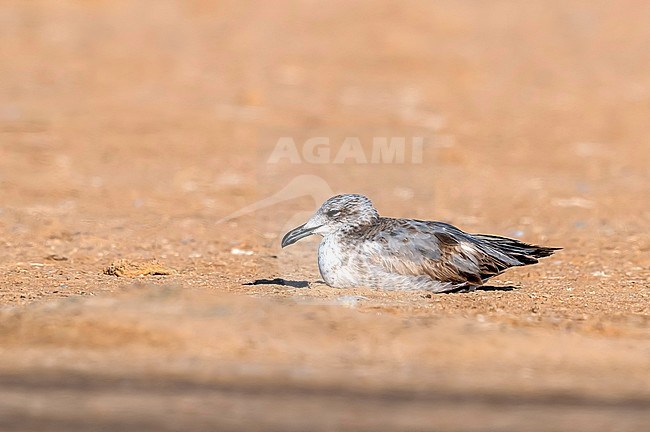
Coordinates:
[541,252]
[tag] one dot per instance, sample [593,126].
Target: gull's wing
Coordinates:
[435,249]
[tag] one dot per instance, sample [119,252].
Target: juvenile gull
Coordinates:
[361,248]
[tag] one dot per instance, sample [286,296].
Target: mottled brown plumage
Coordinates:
[360,248]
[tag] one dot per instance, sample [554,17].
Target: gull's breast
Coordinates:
[341,263]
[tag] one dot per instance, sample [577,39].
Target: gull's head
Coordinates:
[338,212]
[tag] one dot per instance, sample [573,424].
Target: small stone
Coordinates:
[127,268]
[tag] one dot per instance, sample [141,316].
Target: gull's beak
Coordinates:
[296,234]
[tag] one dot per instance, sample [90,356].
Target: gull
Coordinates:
[359,248]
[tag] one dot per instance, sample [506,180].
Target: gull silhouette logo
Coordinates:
[305,185]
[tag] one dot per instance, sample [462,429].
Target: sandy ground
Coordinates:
[130,131]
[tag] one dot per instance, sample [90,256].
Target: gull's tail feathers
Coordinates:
[523,252]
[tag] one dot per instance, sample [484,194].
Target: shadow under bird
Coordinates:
[361,248]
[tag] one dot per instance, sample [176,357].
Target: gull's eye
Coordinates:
[333,213]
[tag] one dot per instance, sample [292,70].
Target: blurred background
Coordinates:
[149,99]
[163,129]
